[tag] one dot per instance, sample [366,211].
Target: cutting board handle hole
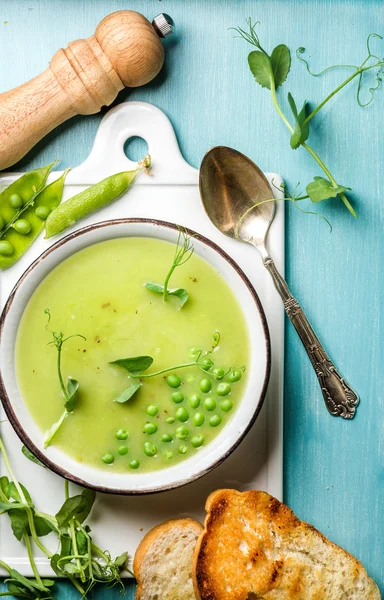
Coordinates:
[135,148]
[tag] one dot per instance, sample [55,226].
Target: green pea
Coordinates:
[182,432]
[150,428]
[170,420]
[182,414]
[166,437]
[209,404]
[235,375]
[183,449]
[177,397]
[2,222]
[206,364]
[215,420]
[121,434]
[42,212]
[205,385]
[152,410]
[168,455]
[190,378]
[226,405]
[150,449]
[15,200]
[218,373]
[174,381]
[223,389]
[198,419]
[108,458]
[134,464]
[22,226]
[194,401]
[6,248]
[197,441]
[122,450]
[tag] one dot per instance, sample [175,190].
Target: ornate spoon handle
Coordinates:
[340,399]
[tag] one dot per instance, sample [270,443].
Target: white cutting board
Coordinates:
[171,194]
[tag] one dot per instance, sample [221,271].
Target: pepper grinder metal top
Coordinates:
[163,25]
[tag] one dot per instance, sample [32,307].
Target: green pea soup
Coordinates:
[99,293]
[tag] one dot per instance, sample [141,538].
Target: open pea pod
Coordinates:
[22,224]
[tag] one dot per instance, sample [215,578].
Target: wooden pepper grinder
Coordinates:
[88,74]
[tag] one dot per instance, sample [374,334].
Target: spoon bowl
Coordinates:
[236,195]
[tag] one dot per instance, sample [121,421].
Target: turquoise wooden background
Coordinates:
[334,475]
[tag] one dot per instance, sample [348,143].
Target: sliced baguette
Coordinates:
[253,546]
[163,561]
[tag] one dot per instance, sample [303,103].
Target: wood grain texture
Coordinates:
[334,475]
[81,78]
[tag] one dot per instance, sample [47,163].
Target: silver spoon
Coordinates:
[237,198]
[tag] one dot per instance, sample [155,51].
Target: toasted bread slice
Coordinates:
[253,546]
[163,561]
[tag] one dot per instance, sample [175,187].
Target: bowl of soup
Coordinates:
[131,363]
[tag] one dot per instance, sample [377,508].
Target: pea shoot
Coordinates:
[78,558]
[136,367]
[183,252]
[271,71]
[70,390]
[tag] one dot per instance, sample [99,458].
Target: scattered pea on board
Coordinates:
[93,198]
[24,206]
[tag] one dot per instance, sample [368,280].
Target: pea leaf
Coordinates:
[5,505]
[301,130]
[134,365]
[321,189]
[121,560]
[70,568]
[281,63]
[82,542]
[261,68]
[77,507]
[66,545]
[71,507]
[13,493]
[54,564]
[28,454]
[19,522]
[88,497]
[72,388]
[180,293]
[129,392]
[21,587]
[4,486]
[154,287]
[42,526]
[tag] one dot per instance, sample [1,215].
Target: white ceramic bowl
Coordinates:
[208,457]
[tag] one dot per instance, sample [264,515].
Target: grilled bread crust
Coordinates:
[254,547]
[163,561]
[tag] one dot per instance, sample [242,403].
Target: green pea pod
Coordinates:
[91,199]
[19,233]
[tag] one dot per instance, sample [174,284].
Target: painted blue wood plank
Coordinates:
[333,469]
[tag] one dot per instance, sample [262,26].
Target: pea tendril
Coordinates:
[78,558]
[136,367]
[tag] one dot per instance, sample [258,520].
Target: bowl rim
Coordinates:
[59,470]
